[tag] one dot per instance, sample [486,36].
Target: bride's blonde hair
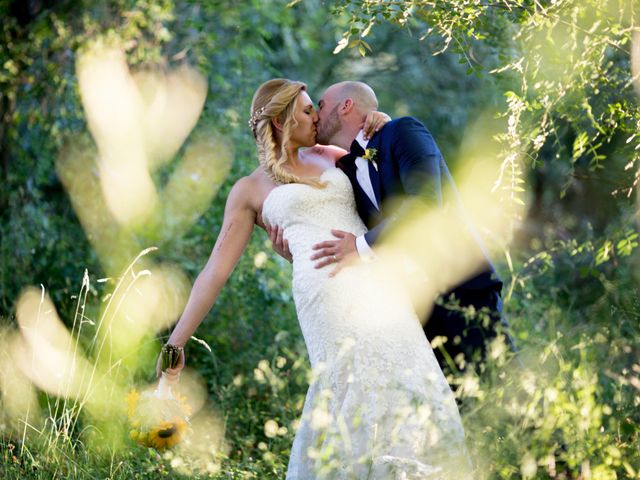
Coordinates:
[276,98]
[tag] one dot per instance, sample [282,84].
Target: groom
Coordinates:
[406,165]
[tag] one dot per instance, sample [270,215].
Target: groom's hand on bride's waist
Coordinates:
[279,244]
[337,252]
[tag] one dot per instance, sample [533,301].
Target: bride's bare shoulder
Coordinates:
[254,187]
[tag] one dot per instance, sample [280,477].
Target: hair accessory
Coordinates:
[253,121]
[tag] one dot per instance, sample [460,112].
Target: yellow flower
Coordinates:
[132,401]
[370,155]
[167,434]
[155,422]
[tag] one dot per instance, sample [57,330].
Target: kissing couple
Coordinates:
[379,405]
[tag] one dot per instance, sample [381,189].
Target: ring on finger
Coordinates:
[335,259]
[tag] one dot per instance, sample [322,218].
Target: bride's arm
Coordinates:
[239,219]
[374,122]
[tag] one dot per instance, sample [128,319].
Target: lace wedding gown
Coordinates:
[378,406]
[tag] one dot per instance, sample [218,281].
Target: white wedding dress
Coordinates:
[378,406]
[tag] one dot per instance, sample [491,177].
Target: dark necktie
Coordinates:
[356,149]
[348,161]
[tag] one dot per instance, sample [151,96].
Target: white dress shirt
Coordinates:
[362,175]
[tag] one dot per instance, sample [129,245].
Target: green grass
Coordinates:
[572,412]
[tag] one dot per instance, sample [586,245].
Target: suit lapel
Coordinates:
[375,173]
[365,208]
[364,205]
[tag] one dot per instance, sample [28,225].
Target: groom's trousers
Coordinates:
[466,331]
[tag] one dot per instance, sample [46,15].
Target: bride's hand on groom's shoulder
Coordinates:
[279,244]
[374,122]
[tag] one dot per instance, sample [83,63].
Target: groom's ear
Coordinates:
[347,106]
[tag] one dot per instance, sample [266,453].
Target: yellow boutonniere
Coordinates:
[370,155]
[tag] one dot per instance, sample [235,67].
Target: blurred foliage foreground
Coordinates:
[101,160]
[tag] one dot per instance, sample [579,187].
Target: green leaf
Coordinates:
[579,145]
[604,252]
[625,246]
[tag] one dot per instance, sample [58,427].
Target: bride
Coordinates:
[379,406]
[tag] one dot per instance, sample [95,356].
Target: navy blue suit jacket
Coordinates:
[409,164]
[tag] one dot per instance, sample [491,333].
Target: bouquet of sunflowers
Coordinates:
[159,418]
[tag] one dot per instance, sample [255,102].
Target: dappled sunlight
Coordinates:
[435,249]
[172,102]
[138,123]
[76,169]
[204,449]
[148,299]
[113,107]
[91,381]
[194,389]
[46,353]
[56,361]
[20,414]
[194,183]
[105,109]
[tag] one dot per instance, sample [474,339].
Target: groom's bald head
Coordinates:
[342,110]
[363,96]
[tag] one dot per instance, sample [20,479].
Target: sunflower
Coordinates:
[167,434]
[158,422]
